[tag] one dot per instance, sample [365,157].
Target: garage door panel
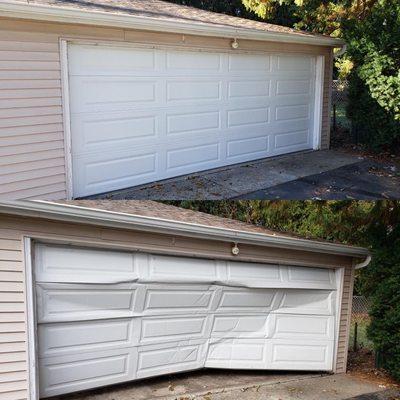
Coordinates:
[179,269]
[114,130]
[249,62]
[193,60]
[249,273]
[178,299]
[86,59]
[188,122]
[244,299]
[240,326]
[237,353]
[77,337]
[292,112]
[316,327]
[78,264]
[173,328]
[285,141]
[294,63]
[98,173]
[65,374]
[321,302]
[312,276]
[248,88]
[241,149]
[68,302]
[172,357]
[299,354]
[98,94]
[293,87]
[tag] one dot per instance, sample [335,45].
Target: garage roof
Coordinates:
[152,216]
[159,16]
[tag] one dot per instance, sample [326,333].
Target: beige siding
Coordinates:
[13,355]
[31,121]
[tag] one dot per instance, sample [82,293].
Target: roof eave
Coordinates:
[15,9]
[74,213]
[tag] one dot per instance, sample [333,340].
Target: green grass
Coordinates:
[362,339]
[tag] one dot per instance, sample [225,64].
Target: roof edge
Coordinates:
[16,9]
[73,213]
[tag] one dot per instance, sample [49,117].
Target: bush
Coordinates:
[374,82]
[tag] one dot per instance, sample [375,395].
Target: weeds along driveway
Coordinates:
[324,174]
[244,385]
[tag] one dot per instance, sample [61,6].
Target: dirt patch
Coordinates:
[361,364]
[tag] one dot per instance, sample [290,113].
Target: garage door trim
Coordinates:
[32,349]
[64,43]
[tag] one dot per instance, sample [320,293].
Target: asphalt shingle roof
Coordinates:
[167,11]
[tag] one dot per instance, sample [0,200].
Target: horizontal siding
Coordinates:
[326,103]
[13,346]
[31,122]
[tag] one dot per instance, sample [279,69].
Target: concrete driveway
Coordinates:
[324,174]
[245,385]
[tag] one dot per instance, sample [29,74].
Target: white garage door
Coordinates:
[107,317]
[140,115]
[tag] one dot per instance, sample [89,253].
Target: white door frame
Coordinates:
[65,95]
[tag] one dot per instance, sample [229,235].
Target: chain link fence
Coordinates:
[359,323]
[339,104]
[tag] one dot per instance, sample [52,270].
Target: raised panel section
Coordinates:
[247,117]
[239,300]
[248,88]
[258,274]
[285,113]
[291,139]
[65,374]
[86,59]
[79,264]
[177,299]
[193,61]
[295,355]
[185,123]
[69,302]
[306,302]
[239,353]
[192,156]
[76,337]
[168,358]
[285,87]
[178,269]
[193,90]
[286,326]
[316,276]
[163,329]
[239,326]
[247,146]
[294,63]
[249,62]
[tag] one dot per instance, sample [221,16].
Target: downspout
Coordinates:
[340,52]
[363,263]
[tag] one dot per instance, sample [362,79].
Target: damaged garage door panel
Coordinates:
[168,314]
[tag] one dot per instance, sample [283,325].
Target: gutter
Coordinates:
[74,213]
[41,12]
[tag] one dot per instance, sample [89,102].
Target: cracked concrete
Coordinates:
[244,385]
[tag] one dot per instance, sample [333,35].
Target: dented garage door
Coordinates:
[106,317]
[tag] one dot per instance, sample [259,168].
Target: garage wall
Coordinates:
[31,121]
[13,339]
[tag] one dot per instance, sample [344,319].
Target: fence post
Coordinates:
[334,117]
[355,336]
